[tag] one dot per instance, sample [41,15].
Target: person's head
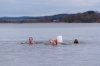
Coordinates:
[50,40]
[30,39]
[55,42]
[76,41]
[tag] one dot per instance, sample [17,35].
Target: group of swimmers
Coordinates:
[53,42]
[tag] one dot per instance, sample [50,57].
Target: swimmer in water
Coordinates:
[54,42]
[75,41]
[51,41]
[31,40]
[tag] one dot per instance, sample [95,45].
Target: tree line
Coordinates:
[86,17]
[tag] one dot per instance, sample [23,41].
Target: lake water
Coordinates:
[86,53]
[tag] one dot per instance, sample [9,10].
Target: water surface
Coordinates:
[86,53]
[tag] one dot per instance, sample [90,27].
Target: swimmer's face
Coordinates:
[55,42]
[30,39]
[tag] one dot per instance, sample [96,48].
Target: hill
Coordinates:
[54,17]
[85,17]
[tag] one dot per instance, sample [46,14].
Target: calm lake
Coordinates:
[86,53]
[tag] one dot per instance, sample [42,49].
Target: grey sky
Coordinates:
[45,7]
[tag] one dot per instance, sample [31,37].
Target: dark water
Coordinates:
[86,53]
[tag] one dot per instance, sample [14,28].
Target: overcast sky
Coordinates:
[46,7]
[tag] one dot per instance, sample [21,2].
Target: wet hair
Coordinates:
[76,41]
[31,38]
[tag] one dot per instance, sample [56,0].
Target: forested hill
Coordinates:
[85,17]
[55,17]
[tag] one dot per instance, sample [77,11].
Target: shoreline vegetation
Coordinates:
[85,17]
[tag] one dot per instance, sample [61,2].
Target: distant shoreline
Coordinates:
[47,22]
[85,17]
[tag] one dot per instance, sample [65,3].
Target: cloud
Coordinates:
[45,7]
[83,2]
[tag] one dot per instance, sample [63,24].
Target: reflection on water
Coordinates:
[14,51]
